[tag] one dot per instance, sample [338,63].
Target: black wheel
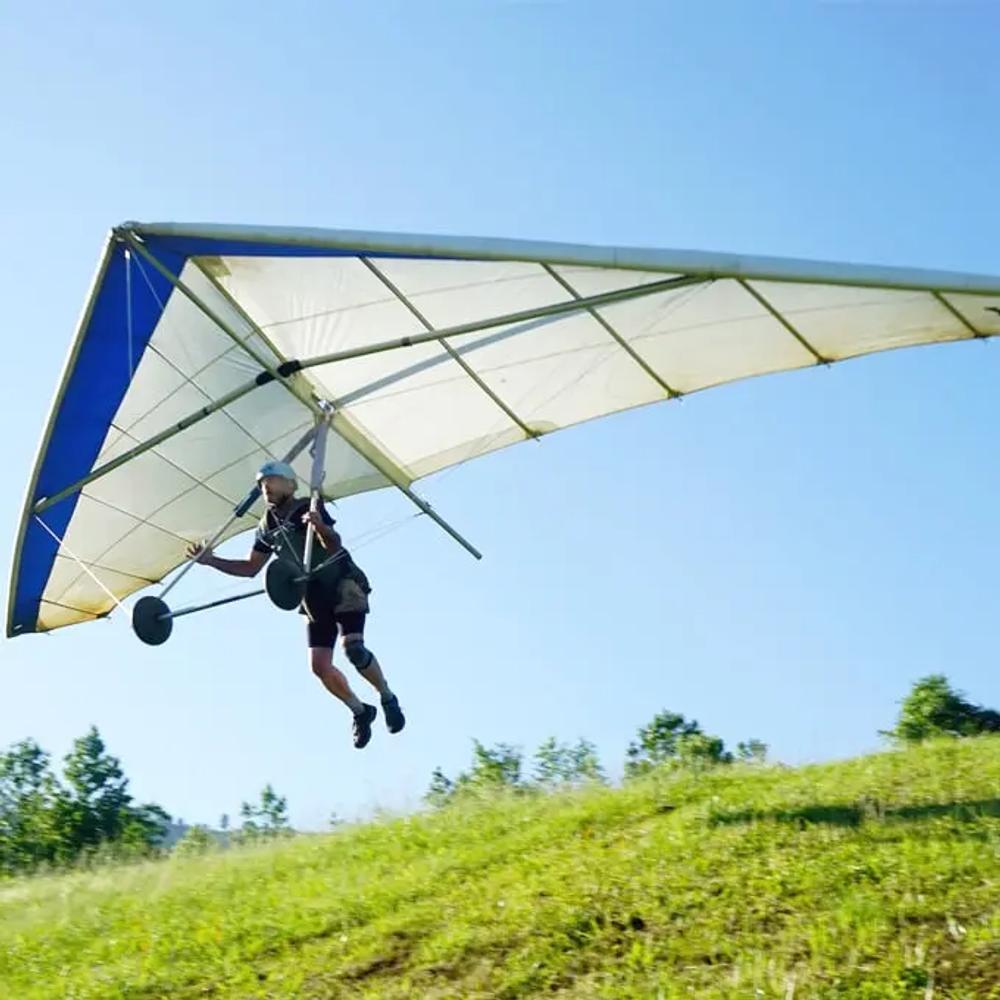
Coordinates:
[151,620]
[283,586]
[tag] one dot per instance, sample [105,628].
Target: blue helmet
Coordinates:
[277,468]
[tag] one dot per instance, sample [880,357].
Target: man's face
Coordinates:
[276,489]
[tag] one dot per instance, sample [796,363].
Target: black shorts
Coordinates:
[324,623]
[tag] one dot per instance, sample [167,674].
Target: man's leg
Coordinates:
[321,660]
[369,668]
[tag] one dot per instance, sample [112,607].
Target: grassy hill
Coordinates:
[876,877]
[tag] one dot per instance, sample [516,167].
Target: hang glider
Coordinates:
[203,350]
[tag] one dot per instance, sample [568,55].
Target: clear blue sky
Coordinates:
[779,558]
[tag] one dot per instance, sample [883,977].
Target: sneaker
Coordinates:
[394,718]
[363,726]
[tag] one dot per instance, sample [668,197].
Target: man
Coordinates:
[336,596]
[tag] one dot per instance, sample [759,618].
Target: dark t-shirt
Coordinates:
[283,525]
[281,531]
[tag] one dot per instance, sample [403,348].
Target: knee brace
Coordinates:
[359,654]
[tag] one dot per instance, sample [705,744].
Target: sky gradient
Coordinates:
[778,558]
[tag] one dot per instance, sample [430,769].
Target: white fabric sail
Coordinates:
[204,350]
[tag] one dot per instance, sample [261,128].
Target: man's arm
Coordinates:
[250,566]
[325,532]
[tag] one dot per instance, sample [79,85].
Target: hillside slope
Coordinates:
[876,877]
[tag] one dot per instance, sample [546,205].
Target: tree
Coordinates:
[33,807]
[934,708]
[702,750]
[144,827]
[441,790]
[44,821]
[493,768]
[669,738]
[196,840]
[99,809]
[265,819]
[100,801]
[752,751]
[657,742]
[561,764]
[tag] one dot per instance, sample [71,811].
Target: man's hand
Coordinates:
[200,552]
[329,538]
[314,518]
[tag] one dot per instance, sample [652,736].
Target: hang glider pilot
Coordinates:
[336,596]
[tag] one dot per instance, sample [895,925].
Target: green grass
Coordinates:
[877,877]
